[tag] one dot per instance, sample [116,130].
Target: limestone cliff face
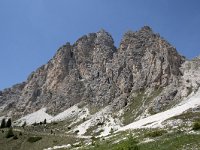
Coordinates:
[94,71]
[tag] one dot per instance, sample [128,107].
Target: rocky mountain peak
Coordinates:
[93,70]
[146,29]
[104,37]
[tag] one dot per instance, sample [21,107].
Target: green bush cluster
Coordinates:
[9,133]
[129,144]
[155,133]
[34,139]
[196,126]
[5,124]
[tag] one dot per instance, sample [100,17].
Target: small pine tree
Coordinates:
[9,123]
[24,124]
[3,123]
[45,121]
[9,133]
[111,131]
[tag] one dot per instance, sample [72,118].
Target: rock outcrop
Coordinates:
[94,71]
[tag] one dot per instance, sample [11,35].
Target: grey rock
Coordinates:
[94,71]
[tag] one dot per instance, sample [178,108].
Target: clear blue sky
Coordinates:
[32,30]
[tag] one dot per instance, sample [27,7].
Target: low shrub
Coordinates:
[15,137]
[77,131]
[130,144]
[155,133]
[100,123]
[9,133]
[24,124]
[34,139]
[196,126]
[9,123]
[55,123]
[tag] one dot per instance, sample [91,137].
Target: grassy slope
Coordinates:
[138,104]
[48,140]
[172,141]
[162,140]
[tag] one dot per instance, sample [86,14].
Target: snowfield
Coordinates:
[40,115]
[94,119]
[156,120]
[35,117]
[70,112]
[104,116]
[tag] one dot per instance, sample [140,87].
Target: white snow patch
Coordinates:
[81,116]
[58,147]
[157,119]
[73,112]
[110,126]
[147,140]
[37,117]
[98,117]
[69,113]
[104,116]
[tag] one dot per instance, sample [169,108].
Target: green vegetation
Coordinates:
[15,137]
[173,142]
[24,124]
[45,121]
[3,123]
[23,139]
[93,109]
[137,105]
[90,131]
[129,144]
[189,115]
[196,126]
[9,133]
[131,112]
[34,139]
[155,133]
[169,141]
[9,123]
[77,131]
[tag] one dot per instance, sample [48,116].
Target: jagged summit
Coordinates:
[103,31]
[147,28]
[94,71]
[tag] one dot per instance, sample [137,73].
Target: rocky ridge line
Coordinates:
[95,72]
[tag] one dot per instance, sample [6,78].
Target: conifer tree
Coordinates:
[9,123]
[45,121]
[3,123]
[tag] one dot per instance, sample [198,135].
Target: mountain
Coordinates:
[95,71]
[98,87]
